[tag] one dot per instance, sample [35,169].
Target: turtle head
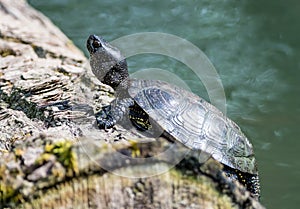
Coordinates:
[107,62]
[94,43]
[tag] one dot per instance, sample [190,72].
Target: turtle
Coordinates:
[182,115]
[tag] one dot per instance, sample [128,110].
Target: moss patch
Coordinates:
[64,154]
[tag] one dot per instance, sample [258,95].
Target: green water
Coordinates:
[255,47]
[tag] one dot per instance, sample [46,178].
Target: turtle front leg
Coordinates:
[111,114]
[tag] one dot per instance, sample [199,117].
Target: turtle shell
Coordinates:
[194,122]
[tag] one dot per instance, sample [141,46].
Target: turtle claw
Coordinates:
[104,119]
[105,123]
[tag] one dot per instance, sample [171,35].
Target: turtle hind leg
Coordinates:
[248,180]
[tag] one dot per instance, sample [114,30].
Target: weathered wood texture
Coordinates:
[52,154]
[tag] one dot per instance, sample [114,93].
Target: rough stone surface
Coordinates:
[53,155]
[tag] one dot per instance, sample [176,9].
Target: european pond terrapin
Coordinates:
[182,115]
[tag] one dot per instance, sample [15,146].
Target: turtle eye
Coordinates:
[96,44]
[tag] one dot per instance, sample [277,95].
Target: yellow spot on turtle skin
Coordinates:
[140,118]
[142,122]
[241,178]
